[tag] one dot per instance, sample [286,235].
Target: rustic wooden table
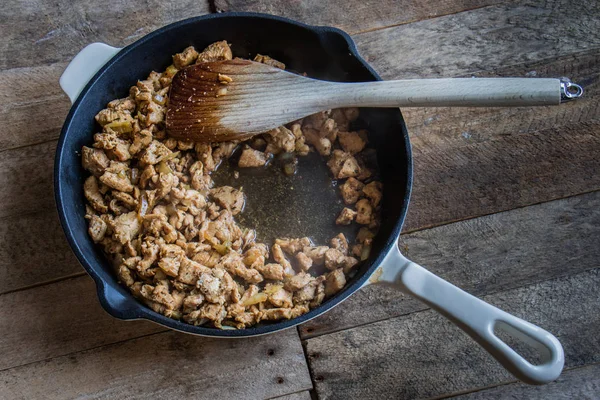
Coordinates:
[505,205]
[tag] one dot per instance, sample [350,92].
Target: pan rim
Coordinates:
[142,311]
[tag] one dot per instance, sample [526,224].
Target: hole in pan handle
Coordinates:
[477,318]
[84,66]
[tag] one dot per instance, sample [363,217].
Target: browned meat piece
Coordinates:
[346,216]
[204,153]
[340,243]
[157,225]
[210,286]
[364,212]
[229,198]
[208,258]
[233,263]
[292,246]
[280,140]
[155,153]
[281,313]
[317,254]
[351,190]
[269,61]
[353,142]
[125,275]
[254,252]
[270,271]
[125,104]
[170,259]
[316,121]
[351,113]
[189,271]
[185,58]
[215,52]
[165,183]
[97,228]
[128,200]
[93,195]
[365,236]
[94,160]
[280,297]
[334,259]
[343,165]
[321,144]
[223,150]
[308,292]
[119,181]
[125,227]
[335,282]
[252,158]
[109,115]
[214,312]
[304,261]
[340,119]
[373,192]
[279,257]
[192,302]
[349,263]
[147,175]
[141,140]
[116,148]
[298,281]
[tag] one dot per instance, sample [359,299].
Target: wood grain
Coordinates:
[423,355]
[36,32]
[57,319]
[484,255]
[354,16]
[482,39]
[579,383]
[26,179]
[305,395]
[168,365]
[32,105]
[33,249]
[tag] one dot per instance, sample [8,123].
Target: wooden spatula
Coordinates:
[236,99]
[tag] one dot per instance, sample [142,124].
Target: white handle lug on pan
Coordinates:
[477,318]
[85,64]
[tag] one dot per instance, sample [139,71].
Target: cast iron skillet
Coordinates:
[324,53]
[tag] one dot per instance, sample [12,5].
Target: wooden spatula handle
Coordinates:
[455,92]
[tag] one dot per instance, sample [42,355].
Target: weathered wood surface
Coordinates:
[33,249]
[482,39]
[168,365]
[423,355]
[37,32]
[354,16]
[57,319]
[579,383]
[33,107]
[305,395]
[485,255]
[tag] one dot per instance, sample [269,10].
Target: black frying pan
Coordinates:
[323,53]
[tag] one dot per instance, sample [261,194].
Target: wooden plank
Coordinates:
[168,365]
[32,105]
[33,249]
[482,39]
[305,395]
[485,255]
[58,319]
[35,32]
[26,179]
[423,355]
[354,16]
[579,383]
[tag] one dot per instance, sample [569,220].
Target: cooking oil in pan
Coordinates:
[305,203]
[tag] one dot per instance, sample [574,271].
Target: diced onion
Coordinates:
[257,298]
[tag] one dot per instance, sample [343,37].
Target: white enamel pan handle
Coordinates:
[477,318]
[83,67]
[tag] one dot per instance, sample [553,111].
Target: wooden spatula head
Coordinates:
[234,99]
